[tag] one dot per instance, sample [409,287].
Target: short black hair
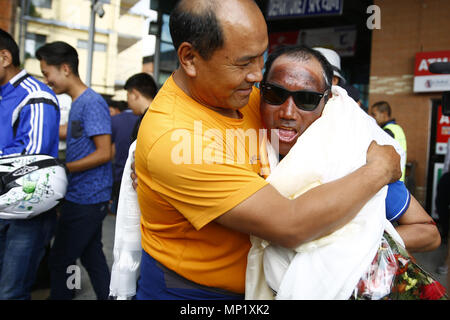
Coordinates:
[117,104]
[144,83]
[121,105]
[201,28]
[302,53]
[58,53]
[383,106]
[7,43]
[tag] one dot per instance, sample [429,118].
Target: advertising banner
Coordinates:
[424,80]
[442,132]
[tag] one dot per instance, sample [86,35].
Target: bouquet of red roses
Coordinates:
[395,275]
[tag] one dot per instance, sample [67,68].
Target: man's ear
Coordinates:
[66,69]
[5,58]
[135,94]
[188,58]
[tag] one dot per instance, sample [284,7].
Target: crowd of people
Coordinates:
[97,138]
[198,214]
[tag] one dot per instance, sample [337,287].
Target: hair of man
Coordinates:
[59,53]
[117,104]
[302,53]
[143,83]
[121,105]
[196,22]
[383,107]
[7,43]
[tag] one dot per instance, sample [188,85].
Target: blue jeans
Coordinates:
[79,235]
[22,246]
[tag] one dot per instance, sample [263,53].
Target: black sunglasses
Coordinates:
[277,95]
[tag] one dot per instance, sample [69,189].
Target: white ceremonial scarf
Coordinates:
[330,267]
[127,239]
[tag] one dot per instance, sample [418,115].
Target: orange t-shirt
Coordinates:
[189,174]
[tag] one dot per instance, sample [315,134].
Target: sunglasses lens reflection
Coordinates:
[307,101]
[274,95]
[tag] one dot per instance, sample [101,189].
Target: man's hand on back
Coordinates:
[386,159]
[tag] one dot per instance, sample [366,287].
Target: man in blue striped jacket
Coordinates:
[29,122]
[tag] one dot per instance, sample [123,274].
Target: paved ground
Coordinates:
[86,292]
[429,261]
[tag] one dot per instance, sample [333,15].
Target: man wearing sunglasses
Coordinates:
[197,216]
[295,88]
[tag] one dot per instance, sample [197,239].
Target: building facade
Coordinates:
[8,15]
[117,50]
[409,28]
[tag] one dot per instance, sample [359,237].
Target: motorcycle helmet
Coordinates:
[30,185]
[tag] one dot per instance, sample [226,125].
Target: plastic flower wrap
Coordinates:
[395,275]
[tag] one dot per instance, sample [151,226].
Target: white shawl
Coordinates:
[329,267]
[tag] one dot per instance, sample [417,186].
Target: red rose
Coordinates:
[402,264]
[362,286]
[432,291]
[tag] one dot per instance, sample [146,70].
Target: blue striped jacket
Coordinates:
[29,117]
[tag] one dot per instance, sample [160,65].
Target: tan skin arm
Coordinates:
[317,212]
[101,155]
[417,229]
[414,227]
[113,150]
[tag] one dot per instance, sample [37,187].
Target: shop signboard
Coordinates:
[424,80]
[283,9]
[442,132]
[340,39]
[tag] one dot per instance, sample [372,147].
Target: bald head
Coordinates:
[200,22]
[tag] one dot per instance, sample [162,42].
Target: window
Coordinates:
[168,57]
[83,44]
[33,41]
[42,3]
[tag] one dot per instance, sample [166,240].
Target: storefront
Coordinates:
[340,25]
[414,34]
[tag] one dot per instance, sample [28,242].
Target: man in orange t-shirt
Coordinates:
[197,159]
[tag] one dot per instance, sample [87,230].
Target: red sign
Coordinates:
[442,132]
[341,39]
[424,59]
[282,38]
[424,80]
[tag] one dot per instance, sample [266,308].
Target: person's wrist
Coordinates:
[379,173]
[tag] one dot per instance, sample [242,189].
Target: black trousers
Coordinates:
[442,205]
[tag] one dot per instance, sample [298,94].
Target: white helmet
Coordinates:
[30,185]
[334,59]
